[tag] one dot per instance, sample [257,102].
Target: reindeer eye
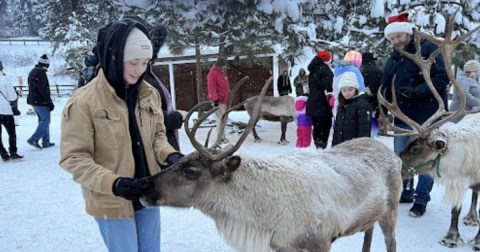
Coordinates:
[416,150]
[191,173]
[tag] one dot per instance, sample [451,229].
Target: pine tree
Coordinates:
[27,15]
[74,31]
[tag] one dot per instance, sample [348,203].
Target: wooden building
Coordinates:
[179,76]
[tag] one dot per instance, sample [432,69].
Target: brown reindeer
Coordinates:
[449,152]
[285,203]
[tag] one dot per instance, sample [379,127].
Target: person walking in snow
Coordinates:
[39,98]
[219,90]
[353,119]
[7,96]
[320,83]
[113,135]
[414,97]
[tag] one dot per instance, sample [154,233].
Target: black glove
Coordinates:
[51,106]
[174,158]
[215,103]
[128,188]
[407,92]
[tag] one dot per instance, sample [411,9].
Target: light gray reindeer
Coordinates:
[449,152]
[276,109]
[300,202]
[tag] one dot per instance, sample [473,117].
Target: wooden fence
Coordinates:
[58,90]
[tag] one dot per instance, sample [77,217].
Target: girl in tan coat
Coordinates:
[113,134]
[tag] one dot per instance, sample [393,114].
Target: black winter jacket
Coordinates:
[421,104]
[372,76]
[284,85]
[320,80]
[38,87]
[354,120]
[172,119]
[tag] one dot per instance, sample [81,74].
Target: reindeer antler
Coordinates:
[203,150]
[445,47]
[224,119]
[393,107]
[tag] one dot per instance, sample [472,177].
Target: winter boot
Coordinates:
[320,144]
[4,155]
[417,210]
[14,155]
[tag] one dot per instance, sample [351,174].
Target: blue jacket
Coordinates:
[421,104]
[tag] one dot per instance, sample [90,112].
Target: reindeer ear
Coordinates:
[233,163]
[225,167]
[230,165]
[439,142]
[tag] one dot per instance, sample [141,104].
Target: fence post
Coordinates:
[20,84]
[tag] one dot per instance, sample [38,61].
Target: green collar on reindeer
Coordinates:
[412,170]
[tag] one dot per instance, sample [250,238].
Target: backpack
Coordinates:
[89,73]
[89,70]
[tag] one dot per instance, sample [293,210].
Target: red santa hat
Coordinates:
[398,23]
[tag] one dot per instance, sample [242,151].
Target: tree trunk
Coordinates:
[198,70]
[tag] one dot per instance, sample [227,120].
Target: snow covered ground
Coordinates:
[42,209]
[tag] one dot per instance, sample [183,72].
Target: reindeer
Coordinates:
[449,152]
[276,109]
[285,203]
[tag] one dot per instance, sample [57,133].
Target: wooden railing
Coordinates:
[25,41]
[58,90]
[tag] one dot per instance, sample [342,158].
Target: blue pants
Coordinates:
[425,181]
[43,127]
[142,233]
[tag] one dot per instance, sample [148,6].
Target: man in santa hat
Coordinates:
[413,97]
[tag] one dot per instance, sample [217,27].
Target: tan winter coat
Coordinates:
[96,147]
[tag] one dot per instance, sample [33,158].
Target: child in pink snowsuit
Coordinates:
[304,123]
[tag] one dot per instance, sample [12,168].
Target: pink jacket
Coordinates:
[218,85]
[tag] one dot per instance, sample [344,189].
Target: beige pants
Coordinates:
[219,113]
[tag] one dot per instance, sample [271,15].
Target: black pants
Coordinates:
[321,128]
[9,124]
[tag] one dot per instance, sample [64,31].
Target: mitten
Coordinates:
[127,188]
[215,103]
[51,106]
[174,158]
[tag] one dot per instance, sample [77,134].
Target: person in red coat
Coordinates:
[219,89]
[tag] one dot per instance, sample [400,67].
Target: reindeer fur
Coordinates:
[298,202]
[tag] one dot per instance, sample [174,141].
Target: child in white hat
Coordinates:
[353,118]
[470,86]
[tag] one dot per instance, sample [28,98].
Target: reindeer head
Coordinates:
[426,145]
[200,172]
